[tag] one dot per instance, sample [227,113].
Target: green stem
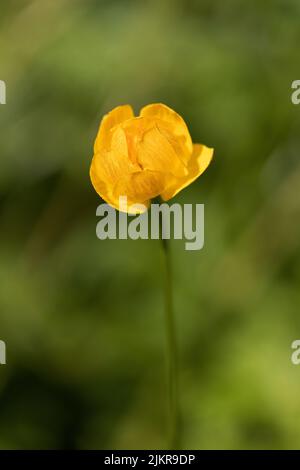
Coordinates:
[172,363]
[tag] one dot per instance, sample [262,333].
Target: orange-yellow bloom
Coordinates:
[146,156]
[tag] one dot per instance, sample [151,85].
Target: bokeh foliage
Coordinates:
[83,319]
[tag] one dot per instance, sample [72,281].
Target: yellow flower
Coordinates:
[146,156]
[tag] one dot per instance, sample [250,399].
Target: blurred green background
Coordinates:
[83,319]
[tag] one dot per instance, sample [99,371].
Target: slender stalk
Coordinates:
[172,360]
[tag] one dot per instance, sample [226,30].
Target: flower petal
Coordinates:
[109,121]
[113,164]
[107,168]
[130,206]
[110,192]
[99,185]
[199,161]
[155,153]
[141,186]
[172,125]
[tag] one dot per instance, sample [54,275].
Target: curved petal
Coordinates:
[199,161]
[118,143]
[99,185]
[173,126]
[141,186]
[107,168]
[155,153]
[109,121]
[129,206]
[108,193]
[110,166]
